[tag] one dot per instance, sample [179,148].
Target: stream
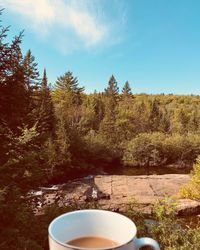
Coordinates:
[122,170]
[117,169]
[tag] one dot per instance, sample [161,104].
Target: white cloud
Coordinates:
[42,15]
[70,24]
[38,13]
[86,26]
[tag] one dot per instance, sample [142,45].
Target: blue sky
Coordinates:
[154,44]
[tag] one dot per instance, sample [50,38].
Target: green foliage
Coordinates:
[192,189]
[126,91]
[145,150]
[98,150]
[46,119]
[157,149]
[30,70]
[16,218]
[69,83]
[14,97]
[112,90]
[169,231]
[154,116]
[163,128]
[23,166]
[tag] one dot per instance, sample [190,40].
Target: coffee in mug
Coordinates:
[97,229]
[92,242]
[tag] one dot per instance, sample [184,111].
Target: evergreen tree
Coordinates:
[107,126]
[44,80]
[46,112]
[125,116]
[154,115]
[10,53]
[126,91]
[14,97]
[69,83]
[111,97]
[31,82]
[112,89]
[98,109]
[30,71]
[92,113]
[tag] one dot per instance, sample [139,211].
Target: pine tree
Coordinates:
[107,126]
[125,124]
[32,84]
[14,97]
[126,91]
[30,71]
[98,109]
[112,89]
[46,112]
[111,97]
[44,80]
[69,83]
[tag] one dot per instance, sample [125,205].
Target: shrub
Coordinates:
[192,189]
[156,149]
[145,150]
[170,232]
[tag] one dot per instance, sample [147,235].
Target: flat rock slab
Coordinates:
[140,191]
[141,188]
[117,192]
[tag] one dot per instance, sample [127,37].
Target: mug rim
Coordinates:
[84,211]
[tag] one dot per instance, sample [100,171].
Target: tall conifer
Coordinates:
[69,83]
[126,91]
[112,89]
[46,121]
[30,71]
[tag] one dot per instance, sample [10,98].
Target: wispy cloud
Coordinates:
[38,14]
[79,21]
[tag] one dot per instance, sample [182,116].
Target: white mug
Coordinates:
[94,222]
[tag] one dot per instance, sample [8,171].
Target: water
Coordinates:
[122,170]
[118,169]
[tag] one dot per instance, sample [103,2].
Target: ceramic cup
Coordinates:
[94,222]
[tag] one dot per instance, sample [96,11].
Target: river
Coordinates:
[122,170]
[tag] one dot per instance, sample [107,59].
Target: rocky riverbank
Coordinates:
[117,192]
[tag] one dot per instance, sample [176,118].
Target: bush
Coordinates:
[145,150]
[192,189]
[170,232]
[98,150]
[156,149]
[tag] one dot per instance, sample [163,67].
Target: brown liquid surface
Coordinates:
[92,242]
